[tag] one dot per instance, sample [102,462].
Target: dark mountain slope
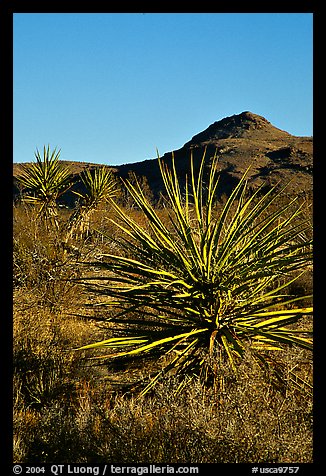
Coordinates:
[241,141]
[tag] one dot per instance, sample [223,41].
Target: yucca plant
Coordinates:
[205,285]
[44,182]
[100,185]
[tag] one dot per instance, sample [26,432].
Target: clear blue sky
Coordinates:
[109,88]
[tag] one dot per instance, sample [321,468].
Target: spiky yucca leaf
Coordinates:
[205,280]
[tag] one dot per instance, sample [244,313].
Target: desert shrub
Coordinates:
[125,199]
[40,261]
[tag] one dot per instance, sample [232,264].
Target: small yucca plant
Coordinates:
[44,182]
[205,284]
[100,185]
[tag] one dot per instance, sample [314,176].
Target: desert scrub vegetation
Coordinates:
[240,402]
[249,422]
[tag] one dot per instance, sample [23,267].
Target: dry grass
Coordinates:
[246,422]
[67,410]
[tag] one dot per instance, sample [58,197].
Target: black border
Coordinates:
[7,10]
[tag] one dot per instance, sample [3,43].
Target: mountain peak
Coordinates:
[244,125]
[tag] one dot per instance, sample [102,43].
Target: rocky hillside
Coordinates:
[241,140]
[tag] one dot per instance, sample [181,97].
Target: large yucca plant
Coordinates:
[44,182]
[205,285]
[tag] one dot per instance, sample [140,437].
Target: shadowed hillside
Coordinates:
[242,140]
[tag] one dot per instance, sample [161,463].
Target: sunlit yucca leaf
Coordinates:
[207,279]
